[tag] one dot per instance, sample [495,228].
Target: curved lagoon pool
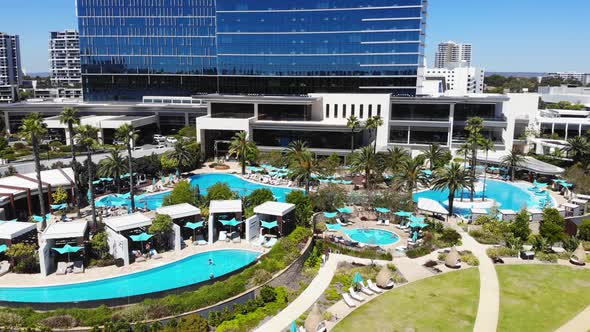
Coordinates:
[372,236]
[185,272]
[237,184]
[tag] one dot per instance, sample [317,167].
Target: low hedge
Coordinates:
[369,253]
[279,257]
[502,252]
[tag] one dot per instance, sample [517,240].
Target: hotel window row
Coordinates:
[344,111]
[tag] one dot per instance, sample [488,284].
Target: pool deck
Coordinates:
[98,273]
[403,236]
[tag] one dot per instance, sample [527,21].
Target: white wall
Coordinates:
[118,245]
[521,106]
[252,227]
[175,238]
[45,261]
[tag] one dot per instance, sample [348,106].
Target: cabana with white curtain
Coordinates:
[269,213]
[223,210]
[182,214]
[120,229]
[57,235]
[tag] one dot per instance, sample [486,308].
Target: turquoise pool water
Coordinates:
[508,196]
[188,271]
[237,184]
[372,236]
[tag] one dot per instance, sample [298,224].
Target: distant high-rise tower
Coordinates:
[453,53]
[10,66]
[64,58]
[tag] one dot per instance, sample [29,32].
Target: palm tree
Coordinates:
[579,148]
[129,136]
[372,124]
[353,123]
[475,140]
[487,145]
[242,147]
[364,161]
[395,157]
[87,137]
[113,166]
[69,117]
[294,150]
[433,154]
[513,160]
[303,168]
[464,149]
[411,173]
[182,154]
[453,178]
[33,129]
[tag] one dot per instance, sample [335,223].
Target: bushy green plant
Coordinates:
[191,323]
[25,256]
[369,253]
[418,252]
[520,226]
[450,236]
[219,191]
[329,198]
[268,294]
[59,196]
[100,245]
[161,227]
[584,230]
[60,322]
[303,206]
[257,197]
[10,320]
[469,258]
[546,257]
[182,193]
[502,252]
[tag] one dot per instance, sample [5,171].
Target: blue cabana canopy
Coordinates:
[67,249]
[416,219]
[40,218]
[194,225]
[345,210]
[59,206]
[382,210]
[141,237]
[233,222]
[106,179]
[3,248]
[403,214]
[269,224]
[427,172]
[330,214]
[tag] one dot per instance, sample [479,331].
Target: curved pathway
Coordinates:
[580,323]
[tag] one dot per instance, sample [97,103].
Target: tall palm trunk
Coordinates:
[352,141]
[307,185]
[485,177]
[91,186]
[118,181]
[35,144]
[375,146]
[130,159]
[473,162]
[75,169]
[451,200]
[464,166]
[243,162]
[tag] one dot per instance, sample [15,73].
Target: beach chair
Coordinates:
[366,289]
[374,287]
[78,267]
[223,236]
[260,241]
[62,268]
[4,267]
[270,243]
[348,300]
[236,238]
[342,223]
[200,240]
[355,295]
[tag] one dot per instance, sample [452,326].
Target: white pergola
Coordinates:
[274,208]
[179,211]
[10,230]
[66,230]
[221,207]
[127,222]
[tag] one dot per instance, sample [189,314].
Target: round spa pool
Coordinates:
[372,236]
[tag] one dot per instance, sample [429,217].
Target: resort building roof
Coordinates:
[65,230]
[225,206]
[19,184]
[530,164]
[274,208]
[12,229]
[128,221]
[179,210]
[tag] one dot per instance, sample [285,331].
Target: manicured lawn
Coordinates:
[442,303]
[541,297]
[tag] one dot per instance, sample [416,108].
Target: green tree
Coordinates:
[129,136]
[553,226]
[372,124]
[70,118]
[168,162]
[411,174]
[182,193]
[329,198]
[303,206]
[364,161]
[188,131]
[191,323]
[395,157]
[328,166]
[433,154]
[241,147]
[578,148]
[487,145]
[33,129]
[584,230]
[294,151]
[453,178]
[87,138]
[475,140]
[520,226]
[257,197]
[183,155]
[303,168]
[513,160]
[100,245]
[113,166]
[219,191]
[161,228]
[353,124]
[60,196]
[25,257]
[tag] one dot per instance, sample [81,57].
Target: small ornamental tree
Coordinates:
[60,196]
[584,230]
[25,256]
[256,198]
[303,206]
[182,193]
[219,191]
[520,226]
[161,228]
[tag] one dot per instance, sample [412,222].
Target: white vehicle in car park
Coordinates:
[159,138]
[172,140]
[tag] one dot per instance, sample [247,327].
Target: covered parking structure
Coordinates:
[107,124]
[74,233]
[223,210]
[120,228]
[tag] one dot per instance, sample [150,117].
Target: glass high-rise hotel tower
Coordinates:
[132,48]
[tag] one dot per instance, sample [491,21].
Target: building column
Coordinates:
[67,137]
[408,135]
[100,136]
[552,128]
[580,129]
[567,127]
[7,122]
[451,121]
[186,122]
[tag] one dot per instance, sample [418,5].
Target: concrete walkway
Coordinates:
[580,323]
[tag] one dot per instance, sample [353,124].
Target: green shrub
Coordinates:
[219,191]
[10,319]
[60,322]
[191,323]
[584,230]
[544,257]
[25,256]
[329,198]
[161,227]
[303,206]
[257,197]
[369,253]
[418,252]
[268,294]
[469,258]
[450,236]
[182,193]
[502,252]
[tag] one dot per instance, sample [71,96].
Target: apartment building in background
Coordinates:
[10,67]
[64,58]
[452,53]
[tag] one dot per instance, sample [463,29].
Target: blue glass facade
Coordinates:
[131,48]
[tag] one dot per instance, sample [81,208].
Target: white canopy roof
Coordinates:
[570,205]
[274,208]
[226,206]
[530,163]
[53,177]
[179,210]
[65,230]
[12,229]
[507,212]
[430,205]
[479,211]
[128,221]
[535,211]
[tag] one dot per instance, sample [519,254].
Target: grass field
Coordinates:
[541,297]
[442,303]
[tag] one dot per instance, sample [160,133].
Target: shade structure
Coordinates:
[357,278]
[3,248]
[427,172]
[59,206]
[579,256]
[194,225]
[269,224]
[96,182]
[314,319]
[126,175]
[416,219]
[432,206]
[106,179]
[453,258]
[383,278]
[67,249]
[141,237]
[403,214]
[40,218]
[330,214]
[382,210]
[539,184]
[233,222]
[494,168]
[293,327]
[345,210]
[417,224]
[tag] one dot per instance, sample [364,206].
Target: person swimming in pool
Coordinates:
[211,276]
[211,261]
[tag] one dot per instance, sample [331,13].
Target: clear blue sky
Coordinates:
[507,35]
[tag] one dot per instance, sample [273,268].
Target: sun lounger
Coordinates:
[374,287]
[366,289]
[200,240]
[342,223]
[78,267]
[62,268]
[140,259]
[236,238]
[355,295]
[270,243]
[348,300]
[260,241]
[4,267]
[223,236]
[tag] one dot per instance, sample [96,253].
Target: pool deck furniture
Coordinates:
[4,267]
[527,255]
[62,268]
[200,240]
[260,241]
[374,287]
[282,213]
[270,243]
[348,300]
[219,208]
[366,289]
[356,296]
[78,267]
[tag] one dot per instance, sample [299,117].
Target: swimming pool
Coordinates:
[372,236]
[507,195]
[185,272]
[237,184]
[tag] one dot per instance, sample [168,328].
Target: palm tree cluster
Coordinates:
[242,148]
